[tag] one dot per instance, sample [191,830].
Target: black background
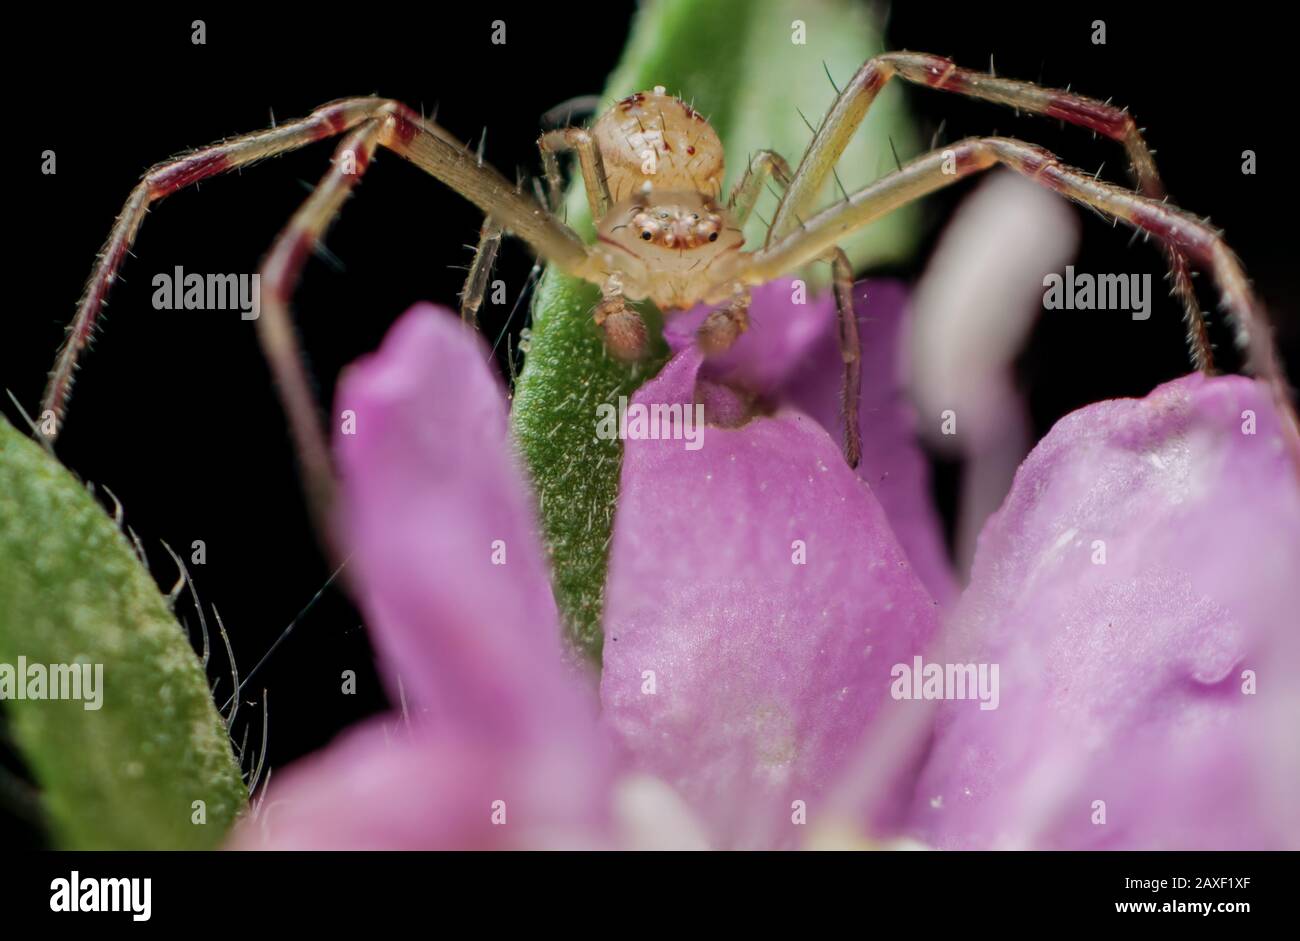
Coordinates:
[174,411]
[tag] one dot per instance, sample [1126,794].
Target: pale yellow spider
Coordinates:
[652,169]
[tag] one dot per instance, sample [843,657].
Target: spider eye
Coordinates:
[646,235]
[713,236]
[695,217]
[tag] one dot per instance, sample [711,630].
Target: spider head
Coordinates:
[654,139]
[677,226]
[664,244]
[656,224]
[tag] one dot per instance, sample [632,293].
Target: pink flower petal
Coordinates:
[446,566]
[892,464]
[445,557]
[1122,676]
[791,356]
[394,788]
[765,672]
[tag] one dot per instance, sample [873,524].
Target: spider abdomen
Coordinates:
[652,139]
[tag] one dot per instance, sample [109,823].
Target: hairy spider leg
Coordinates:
[850,108]
[765,166]
[280,271]
[581,142]
[1203,244]
[401,130]
[480,270]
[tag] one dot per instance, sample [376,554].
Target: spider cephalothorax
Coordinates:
[662,165]
[652,168]
[665,244]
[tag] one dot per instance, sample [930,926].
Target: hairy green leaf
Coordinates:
[126,775]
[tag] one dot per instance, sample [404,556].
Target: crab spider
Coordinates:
[652,169]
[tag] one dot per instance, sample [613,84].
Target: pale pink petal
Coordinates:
[445,565]
[892,464]
[383,786]
[445,558]
[791,356]
[738,676]
[1145,559]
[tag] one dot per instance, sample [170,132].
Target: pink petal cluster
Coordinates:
[760,595]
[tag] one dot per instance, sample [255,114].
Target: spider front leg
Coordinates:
[373,122]
[589,161]
[924,175]
[431,149]
[853,102]
[766,165]
[480,269]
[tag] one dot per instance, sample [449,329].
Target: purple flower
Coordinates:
[737,673]
[1138,589]
[1133,592]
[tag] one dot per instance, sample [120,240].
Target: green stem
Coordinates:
[741,64]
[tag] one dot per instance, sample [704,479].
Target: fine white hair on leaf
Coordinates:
[234,670]
[32,426]
[194,596]
[242,747]
[261,757]
[181,576]
[118,513]
[139,548]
